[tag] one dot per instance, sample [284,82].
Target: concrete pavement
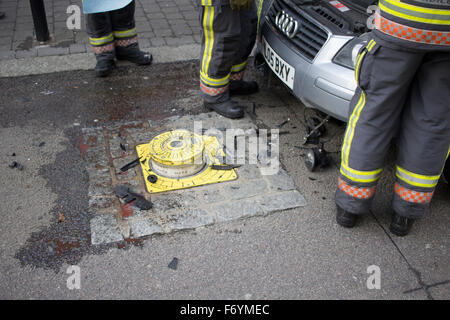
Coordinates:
[159,23]
[294,254]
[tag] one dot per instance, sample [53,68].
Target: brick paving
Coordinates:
[158,22]
[252,194]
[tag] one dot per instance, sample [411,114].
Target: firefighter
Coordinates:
[403,77]
[228,37]
[112,34]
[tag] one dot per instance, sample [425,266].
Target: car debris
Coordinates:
[17,165]
[224,166]
[127,195]
[317,157]
[173,264]
[316,129]
[130,165]
[281,125]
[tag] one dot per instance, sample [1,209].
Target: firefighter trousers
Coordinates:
[228,38]
[403,95]
[108,30]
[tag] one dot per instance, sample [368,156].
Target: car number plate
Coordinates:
[281,68]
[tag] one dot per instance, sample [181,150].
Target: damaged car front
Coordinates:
[312,45]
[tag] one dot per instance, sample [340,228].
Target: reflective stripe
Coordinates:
[125,42]
[212,91]
[370,45]
[417,9]
[360,58]
[102,40]
[239,67]
[259,14]
[411,34]
[350,133]
[125,34]
[206,2]
[413,196]
[413,13]
[360,176]
[105,48]
[209,38]
[417,180]
[237,76]
[351,128]
[362,193]
[214,82]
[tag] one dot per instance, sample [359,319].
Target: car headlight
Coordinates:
[346,57]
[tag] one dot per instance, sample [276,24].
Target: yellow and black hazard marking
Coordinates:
[180,159]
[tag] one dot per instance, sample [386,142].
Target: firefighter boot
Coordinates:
[400,226]
[105,64]
[133,54]
[345,218]
[241,87]
[229,108]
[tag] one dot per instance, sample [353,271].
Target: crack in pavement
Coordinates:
[428,286]
[416,272]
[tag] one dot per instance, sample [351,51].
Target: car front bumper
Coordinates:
[320,84]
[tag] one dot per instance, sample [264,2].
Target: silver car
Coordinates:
[312,45]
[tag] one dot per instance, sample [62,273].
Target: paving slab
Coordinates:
[250,195]
[105,229]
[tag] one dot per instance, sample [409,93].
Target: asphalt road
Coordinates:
[295,254]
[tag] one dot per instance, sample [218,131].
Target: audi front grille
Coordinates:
[310,37]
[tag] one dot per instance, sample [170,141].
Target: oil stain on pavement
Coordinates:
[66,102]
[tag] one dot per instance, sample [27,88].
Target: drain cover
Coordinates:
[181,159]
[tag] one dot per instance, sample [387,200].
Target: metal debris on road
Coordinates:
[128,195]
[281,125]
[130,165]
[173,264]
[17,165]
[224,167]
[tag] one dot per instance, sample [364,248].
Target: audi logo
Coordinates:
[287,24]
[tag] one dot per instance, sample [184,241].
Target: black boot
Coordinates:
[345,218]
[2,15]
[241,87]
[400,226]
[229,109]
[133,54]
[104,66]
